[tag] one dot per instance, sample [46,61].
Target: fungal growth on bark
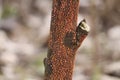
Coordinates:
[65,38]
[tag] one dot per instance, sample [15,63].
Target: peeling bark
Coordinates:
[65,39]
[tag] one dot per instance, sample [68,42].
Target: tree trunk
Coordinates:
[65,39]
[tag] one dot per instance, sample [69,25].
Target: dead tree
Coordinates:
[65,39]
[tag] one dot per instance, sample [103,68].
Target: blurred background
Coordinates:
[24,31]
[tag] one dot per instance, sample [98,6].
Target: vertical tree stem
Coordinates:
[63,41]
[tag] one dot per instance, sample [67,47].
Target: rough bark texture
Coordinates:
[64,40]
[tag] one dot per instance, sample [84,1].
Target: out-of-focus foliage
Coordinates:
[8,11]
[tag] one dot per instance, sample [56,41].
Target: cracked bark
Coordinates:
[65,39]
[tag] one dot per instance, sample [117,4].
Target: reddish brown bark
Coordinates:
[64,40]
